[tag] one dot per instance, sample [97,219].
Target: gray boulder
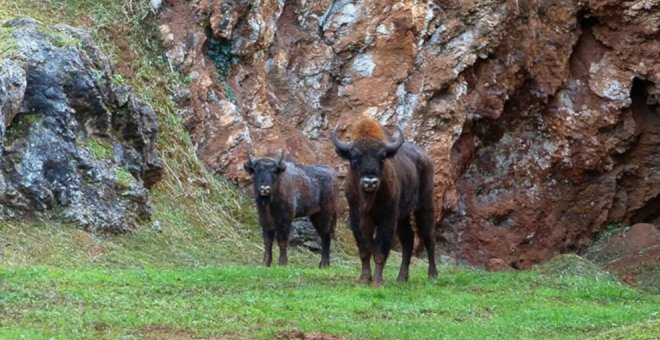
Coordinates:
[75,144]
[304,234]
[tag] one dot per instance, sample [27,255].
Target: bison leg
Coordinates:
[363,247]
[282,242]
[269,235]
[282,230]
[426,229]
[407,238]
[325,251]
[383,243]
[324,226]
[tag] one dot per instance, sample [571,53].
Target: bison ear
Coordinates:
[390,153]
[345,154]
[248,167]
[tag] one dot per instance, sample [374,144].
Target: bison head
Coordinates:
[265,174]
[367,156]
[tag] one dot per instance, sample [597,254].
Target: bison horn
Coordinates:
[281,160]
[338,144]
[250,160]
[394,146]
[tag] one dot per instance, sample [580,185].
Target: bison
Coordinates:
[388,181]
[285,190]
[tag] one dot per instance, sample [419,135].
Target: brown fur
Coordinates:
[367,128]
[404,189]
[297,191]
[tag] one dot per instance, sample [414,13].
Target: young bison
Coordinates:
[286,190]
[387,182]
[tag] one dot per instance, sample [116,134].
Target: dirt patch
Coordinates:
[296,334]
[168,332]
[573,265]
[95,251]
[632,253]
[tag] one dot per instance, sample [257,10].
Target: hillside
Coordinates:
[190,213]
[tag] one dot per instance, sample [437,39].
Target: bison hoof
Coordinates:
[365,279]
[324,264]
[433,273]
[402,278]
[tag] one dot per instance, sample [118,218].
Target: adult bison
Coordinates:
[387,182]
[285,190]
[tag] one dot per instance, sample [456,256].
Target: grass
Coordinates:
[98,148]
[124,178]
[8,45]
[63,39]
[252,302]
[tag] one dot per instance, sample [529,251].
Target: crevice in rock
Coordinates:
[587,20]
[643,112]
[649,213]
[647,120]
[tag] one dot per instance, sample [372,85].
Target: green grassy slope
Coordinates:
[203,219]
[253,302]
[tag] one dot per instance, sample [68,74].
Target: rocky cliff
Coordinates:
[542,117]
[75,143]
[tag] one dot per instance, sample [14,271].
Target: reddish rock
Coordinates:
[541,116]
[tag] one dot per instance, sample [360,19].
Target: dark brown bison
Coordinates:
[285,190]
[387,182]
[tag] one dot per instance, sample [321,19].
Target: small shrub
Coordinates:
[220,52]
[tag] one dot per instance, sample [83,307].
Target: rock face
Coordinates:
[74,143]
[542,117]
